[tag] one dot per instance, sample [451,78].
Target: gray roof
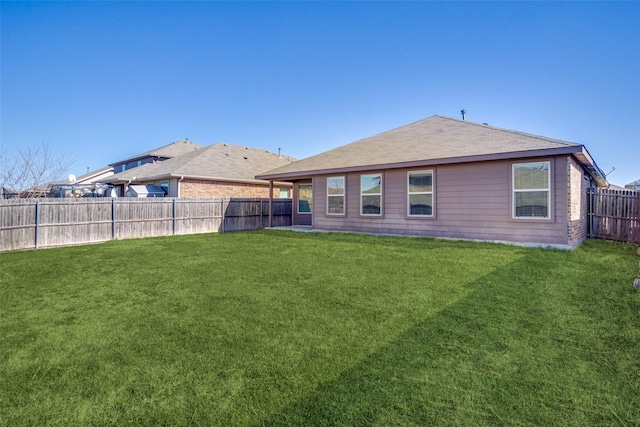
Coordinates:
[219,161]
[88,175]
[632,185]
[434,140]
[168,151]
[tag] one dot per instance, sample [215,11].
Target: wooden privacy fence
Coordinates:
[614,215]
[40,223]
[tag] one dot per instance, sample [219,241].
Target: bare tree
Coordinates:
[31,171]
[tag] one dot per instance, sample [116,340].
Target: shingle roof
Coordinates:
[435,139]
[88,175]
[168,151]
[219,161]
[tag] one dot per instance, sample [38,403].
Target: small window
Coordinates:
[335,195]
[165,187]
[305,198]
[420,193]
[531,190]
[371,194]
[284,193]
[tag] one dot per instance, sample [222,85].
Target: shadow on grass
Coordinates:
[501,356]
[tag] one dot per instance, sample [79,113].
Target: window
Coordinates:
[420,193]
[531,190]
[305,198]
[335,195]
[371,194]
[165,187]
[284,193]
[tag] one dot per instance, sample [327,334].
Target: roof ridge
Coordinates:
[249,148]
[531,135]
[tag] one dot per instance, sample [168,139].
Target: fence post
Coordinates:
[113,219]
[37,222]
[222,214]
[590,191]
[637,217]
[174,216]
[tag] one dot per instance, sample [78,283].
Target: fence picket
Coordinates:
[40,223]
[614,215]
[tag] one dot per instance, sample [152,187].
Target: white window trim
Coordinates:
[343,195]
[513,192]
[371,194]
[410,193]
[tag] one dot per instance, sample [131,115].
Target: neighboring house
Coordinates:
[449,178]
[160,154]
[220,170]
[8,193]
[89,177]
[616,187]
[86,185]
[635,185]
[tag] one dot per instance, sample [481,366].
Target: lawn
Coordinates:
[282,328]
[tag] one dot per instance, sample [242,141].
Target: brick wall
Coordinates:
[577,202]
[199,189]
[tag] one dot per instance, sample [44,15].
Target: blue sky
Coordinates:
[103,81]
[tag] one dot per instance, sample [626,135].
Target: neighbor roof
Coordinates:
[220,161]
[168,151]
[434,140]
[89,175]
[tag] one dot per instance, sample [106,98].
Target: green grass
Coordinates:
[281,328]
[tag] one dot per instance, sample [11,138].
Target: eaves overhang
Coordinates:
[590,166]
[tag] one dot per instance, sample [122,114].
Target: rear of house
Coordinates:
[448,178]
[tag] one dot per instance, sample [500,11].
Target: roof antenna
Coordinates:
[464,114]
[279,149]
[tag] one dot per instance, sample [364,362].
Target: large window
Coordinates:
[305,198]
[371,194]
[335,195]
[531,190]
[420,193]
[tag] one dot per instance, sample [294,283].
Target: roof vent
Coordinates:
[464,114]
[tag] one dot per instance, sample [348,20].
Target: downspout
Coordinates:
[179,181]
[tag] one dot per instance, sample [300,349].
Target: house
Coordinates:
[8,193]
[86,185]
[635,185]
[220,170]
[160,154]
[448,178]
[89,177]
